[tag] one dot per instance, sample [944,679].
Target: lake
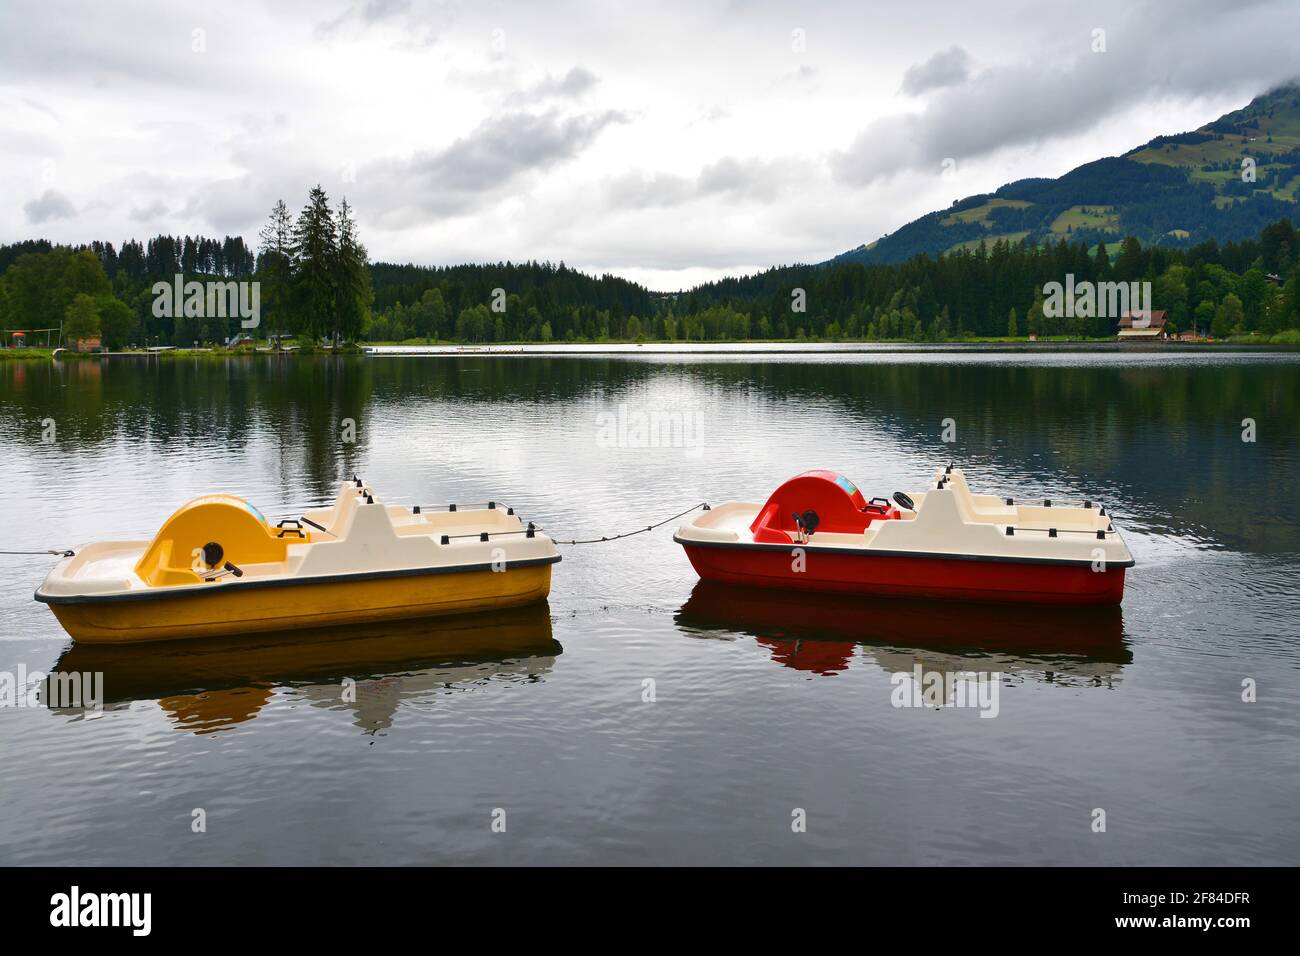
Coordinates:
[639,717]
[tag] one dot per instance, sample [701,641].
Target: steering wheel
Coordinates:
[904,501]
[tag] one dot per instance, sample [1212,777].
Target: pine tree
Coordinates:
[352,287]
[276,269]
[315,249]
[1101,262]
[1130,264]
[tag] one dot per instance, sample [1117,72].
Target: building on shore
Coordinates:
[1144,326]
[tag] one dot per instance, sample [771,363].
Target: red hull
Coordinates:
[906,576]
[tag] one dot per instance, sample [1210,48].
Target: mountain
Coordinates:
[1176,190]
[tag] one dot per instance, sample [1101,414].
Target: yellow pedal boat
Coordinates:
[217,567]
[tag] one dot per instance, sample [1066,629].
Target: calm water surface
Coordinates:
[762,703]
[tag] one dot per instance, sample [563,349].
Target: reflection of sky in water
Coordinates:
[760,703]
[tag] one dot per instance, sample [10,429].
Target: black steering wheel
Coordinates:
[904,501]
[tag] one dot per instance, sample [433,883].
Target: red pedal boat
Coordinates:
[818,533]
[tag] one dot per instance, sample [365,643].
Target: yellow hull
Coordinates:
[231,610]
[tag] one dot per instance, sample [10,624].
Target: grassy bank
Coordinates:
[19,355]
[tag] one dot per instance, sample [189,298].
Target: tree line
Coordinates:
[992,290]
[316,284]
[312,269]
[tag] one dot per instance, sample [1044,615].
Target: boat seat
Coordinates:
[336,519]
[176,553]
[969,508]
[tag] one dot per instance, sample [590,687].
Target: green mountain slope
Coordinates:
[1176,190]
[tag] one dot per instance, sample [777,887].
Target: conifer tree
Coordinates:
[315,249]
[352,289]
[1101,263]
[276,269]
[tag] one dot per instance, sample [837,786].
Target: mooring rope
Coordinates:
[68,552]
[628,534]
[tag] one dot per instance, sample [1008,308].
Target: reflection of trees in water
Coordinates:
[1117,401]
[507,378]
[179,402]
[1167,435]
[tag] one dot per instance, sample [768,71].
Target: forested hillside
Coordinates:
[997,290]
[539,302]
[1225,182]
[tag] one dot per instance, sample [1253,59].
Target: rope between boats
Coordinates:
[68,552]
[628,534]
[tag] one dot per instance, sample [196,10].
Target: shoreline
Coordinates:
[680,348]
[820,348]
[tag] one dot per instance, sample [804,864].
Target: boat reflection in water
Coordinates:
[820,634]
[206,685]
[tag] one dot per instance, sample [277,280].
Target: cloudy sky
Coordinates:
[670,143]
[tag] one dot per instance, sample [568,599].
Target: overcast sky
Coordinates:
[669,143]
